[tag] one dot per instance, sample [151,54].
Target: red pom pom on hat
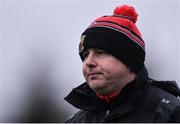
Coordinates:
[126,12]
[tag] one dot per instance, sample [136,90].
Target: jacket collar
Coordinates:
[142,77]
[83,97]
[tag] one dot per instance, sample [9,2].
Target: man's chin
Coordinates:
[97,86]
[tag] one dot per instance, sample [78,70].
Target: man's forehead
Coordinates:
[94,49]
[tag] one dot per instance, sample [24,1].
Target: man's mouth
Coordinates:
[93,75]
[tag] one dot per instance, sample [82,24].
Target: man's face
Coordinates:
[104,73]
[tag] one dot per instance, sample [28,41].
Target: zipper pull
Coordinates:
[107,113]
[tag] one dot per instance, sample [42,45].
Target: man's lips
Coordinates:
[93,74]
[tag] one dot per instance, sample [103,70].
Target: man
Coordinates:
[117,87]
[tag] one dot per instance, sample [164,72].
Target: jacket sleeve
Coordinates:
[77,117]
[176,115]
[71,120]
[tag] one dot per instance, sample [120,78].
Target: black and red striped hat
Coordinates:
[118,35]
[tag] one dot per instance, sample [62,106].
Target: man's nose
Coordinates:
[90,61]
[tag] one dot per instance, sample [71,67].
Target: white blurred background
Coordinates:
[39,51]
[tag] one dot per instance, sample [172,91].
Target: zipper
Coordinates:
[107,113]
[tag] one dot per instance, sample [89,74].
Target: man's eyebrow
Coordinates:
[96,49]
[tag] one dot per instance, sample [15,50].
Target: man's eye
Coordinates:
[101,52]
[85,54]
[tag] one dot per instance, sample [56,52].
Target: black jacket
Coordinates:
[143,100]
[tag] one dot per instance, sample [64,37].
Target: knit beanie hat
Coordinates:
[118,35]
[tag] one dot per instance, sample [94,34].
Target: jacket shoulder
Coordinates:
[77,117]
[168,86]
[165,96]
